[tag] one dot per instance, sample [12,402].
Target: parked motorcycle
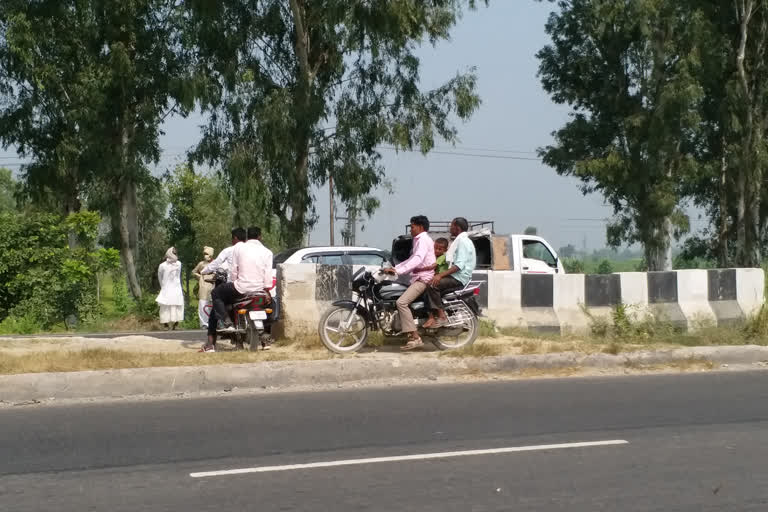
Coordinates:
[345,327]
[251,317]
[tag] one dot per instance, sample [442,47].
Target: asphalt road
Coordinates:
[694,442]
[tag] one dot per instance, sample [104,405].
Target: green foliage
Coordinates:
[531,230]
[624,326]
[8,191]
[147,309]
[573,265]
[605,267]
[757,326]
[84,87]
[25,324]
[628,71]
[200,215]
[122,300]
[488,329]
[44,276]
[303,91]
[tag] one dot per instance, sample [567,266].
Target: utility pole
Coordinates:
[332,214]
[350,229]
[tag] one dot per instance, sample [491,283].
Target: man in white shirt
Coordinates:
[250,273]
[224,259]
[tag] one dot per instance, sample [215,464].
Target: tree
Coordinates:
[302,91]
[47,90]
[145,62]
[628,71]
[531,230]
[88,84]
[200,215]
[752,114]
[8,190]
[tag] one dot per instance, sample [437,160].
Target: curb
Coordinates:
[293,374]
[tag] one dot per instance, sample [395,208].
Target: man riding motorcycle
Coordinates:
[223,262]
[420,265]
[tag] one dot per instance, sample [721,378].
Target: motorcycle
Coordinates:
[252,318]
[346,326]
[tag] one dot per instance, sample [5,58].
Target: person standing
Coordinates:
[204,287]
[421,266]
[171,297]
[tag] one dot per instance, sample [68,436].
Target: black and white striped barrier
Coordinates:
[558,303]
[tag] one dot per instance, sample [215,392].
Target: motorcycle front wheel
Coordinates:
[343,330]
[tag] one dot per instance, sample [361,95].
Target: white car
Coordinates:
[367,256]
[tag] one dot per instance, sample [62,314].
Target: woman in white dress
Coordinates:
[171,298]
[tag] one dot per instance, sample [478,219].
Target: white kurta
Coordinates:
[171,298]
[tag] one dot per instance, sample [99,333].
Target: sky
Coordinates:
[506,183]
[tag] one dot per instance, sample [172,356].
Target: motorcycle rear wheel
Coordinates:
[254,340]
[465,336]
[340,339]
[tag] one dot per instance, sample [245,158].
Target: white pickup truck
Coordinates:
[527,254]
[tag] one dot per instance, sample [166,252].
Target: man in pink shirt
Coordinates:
[420,266]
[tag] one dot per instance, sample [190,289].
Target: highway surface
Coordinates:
[695,442]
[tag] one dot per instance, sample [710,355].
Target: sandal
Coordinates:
[415,343]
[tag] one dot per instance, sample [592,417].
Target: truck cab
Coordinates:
[526,254]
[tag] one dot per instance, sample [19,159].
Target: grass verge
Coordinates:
[108,359]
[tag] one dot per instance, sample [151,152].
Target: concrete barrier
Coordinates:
[688,299]
[722,296]
[750,290]
[504,300]
[537,297]
[602,293]
[570,302]
[663,299]
[693,298]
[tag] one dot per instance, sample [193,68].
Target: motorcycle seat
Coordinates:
[248,300]
[450,293]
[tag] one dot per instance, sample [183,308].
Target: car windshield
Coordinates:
[282,257]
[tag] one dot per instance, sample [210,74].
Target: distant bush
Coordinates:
[605,267]
[573,266]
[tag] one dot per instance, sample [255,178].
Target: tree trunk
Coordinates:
[744,12]
[658,251]
[722,240]
[128,217]
[294,232]
[299,202]
[71,236]
[754,189]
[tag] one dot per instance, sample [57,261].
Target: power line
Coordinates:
[471,155]
[488,150]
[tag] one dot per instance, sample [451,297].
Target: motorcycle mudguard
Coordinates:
[350,304]
[472,304]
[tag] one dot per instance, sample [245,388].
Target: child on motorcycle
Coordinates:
[441,265]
